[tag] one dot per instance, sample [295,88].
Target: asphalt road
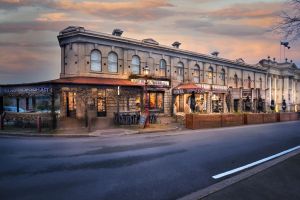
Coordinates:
[146,166]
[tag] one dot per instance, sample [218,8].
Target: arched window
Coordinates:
[135,65]
[162,68]
[222,76]
[96,61]
[210,77]
[236,81]
[196,74]
[180,72]
[249,82]
[112,62]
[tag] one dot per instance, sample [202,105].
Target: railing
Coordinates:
[132,117]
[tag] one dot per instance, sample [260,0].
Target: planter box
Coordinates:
[232,120]
[254,118]
[269,117]
[294,116]
[284,117]
[194,121]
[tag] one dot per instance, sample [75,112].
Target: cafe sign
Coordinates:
[152,82]
[26,91]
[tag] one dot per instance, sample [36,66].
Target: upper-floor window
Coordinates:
[236,81]
[112,62]
[96,61]
[196,74]
[222,76]
[249,82]
[260,83]
[162,68]
[210,75]
[180,72]
[135,65]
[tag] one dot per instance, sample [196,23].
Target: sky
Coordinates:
[29,50]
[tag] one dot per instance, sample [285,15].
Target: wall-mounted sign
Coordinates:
[26,91]
[204,86]
[219,88]
[152,82]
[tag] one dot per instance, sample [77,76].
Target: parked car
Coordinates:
[13,109]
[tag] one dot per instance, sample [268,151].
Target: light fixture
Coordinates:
[146,70]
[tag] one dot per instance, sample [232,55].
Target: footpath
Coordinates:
[277,179]
[83,132]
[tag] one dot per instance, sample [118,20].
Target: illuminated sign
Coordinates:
[152,82]
[14,91]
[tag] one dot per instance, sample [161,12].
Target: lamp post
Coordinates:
[146,73]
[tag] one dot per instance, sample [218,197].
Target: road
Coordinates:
[149,166]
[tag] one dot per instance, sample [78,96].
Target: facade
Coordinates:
[105,74]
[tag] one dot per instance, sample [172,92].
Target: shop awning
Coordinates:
[188,88]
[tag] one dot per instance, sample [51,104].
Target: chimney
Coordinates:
[215,53]
[117,32]
[176,44]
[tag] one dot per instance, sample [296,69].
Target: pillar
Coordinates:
[53,114]
[33,103]
[18,104]
[27,103]
[286,93]
[1,104]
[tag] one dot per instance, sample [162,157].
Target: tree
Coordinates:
[289,25]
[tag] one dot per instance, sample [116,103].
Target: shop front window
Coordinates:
[156,101]
[101,103]
[70,102]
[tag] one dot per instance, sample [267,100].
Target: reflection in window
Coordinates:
[112,62]
[135,65]
[96,61]
[156,101]
[162,68]
[180,72]
[196,74]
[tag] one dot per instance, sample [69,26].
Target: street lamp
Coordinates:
[146,73]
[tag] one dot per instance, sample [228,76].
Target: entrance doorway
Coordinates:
[71,104]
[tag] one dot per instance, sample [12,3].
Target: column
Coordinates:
[286,92]
[1,104]
[18,104]
[275,89]
[27,103]
[208,103]
[33,103]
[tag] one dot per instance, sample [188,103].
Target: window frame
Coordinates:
[109,62]
[135,65]
[196,69]
[93,61]
[180,68]
[162,69]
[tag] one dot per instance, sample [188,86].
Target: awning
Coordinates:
[188,88]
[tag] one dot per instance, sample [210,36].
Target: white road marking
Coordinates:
[254,163]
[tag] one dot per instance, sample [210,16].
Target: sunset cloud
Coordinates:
[29,49]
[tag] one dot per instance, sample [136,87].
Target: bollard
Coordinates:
[39,124]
